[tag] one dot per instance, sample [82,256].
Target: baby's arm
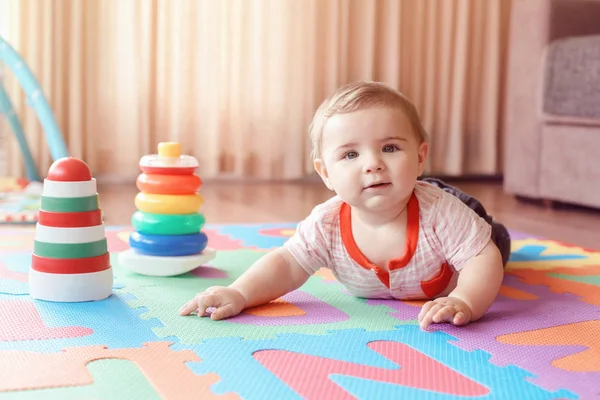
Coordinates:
[479,281]
[476,289]
[269,278]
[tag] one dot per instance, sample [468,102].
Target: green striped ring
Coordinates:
[70,250]
[167,224]
[69,204]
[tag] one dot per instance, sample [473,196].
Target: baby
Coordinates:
[387,233]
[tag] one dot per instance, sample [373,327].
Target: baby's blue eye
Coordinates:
[350,155]
[390,148]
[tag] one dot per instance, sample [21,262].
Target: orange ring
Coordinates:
[168,184]
[168,170]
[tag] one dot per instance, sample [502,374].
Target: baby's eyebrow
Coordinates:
[345,146]
[394,138]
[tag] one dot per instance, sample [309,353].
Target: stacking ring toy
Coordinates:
[70,250]
[69,204]
[168,184]
[168,203]
[167,245]
[70,219]
[70,265]
[167,224]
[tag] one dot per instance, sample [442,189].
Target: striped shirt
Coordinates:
[442,235]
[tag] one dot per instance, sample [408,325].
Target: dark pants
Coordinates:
[500,234]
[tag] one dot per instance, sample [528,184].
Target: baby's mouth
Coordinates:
[380,185]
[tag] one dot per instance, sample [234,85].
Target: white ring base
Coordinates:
[164,266]
[70,288]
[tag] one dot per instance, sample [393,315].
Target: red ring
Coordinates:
[168,184]
[168,170]
[71,265]
[70,220]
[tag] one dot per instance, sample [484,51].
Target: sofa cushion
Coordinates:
[572,77]
[568,168]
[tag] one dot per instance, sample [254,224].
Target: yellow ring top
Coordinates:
[169,149]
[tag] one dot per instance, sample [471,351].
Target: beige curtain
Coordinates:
[236,82]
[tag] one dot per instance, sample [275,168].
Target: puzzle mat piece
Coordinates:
[516,235]
[112,322]
[588,279]
[584,291]
[546,254]
[295,308]
[581,334]
[412,363]
[586,274]
[13,282]
[164,368]
[346,352]
[258,236]
[21,321]
[509,315]
[112,379]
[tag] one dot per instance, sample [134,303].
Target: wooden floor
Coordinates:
[255,203]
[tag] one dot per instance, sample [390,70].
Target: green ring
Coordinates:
[69,204]
[167,224]
[70,250]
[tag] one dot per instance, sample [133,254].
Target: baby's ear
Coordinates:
[322,171]
[423,149]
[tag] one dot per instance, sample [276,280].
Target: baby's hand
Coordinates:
[227,301]
[444,309]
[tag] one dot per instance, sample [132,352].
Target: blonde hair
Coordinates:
[358,96]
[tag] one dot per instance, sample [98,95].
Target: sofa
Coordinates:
[551,124]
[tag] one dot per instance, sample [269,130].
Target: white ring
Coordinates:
[50,234]
[69,189]
[162,265]
[92,286]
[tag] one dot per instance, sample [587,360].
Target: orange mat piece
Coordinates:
[585,334]
[170,378]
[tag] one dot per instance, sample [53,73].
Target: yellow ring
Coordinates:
[168,203]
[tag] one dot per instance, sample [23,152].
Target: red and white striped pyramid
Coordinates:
[70,261]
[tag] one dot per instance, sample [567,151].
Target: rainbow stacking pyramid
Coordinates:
[168,239]
[70,261]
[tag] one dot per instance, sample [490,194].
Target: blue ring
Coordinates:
[168,245]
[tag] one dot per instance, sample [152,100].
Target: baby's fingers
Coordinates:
[460,319]
[446,314]
[223,312]
[201,302]
[425,309]
[428,317]
[189,307]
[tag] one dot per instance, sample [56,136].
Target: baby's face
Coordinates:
[371,158]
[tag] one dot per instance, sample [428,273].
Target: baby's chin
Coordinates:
[380,203]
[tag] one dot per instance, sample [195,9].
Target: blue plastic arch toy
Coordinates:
[38,102]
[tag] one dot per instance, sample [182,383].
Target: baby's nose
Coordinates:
[373,165]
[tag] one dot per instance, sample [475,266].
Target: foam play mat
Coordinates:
[540,340]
